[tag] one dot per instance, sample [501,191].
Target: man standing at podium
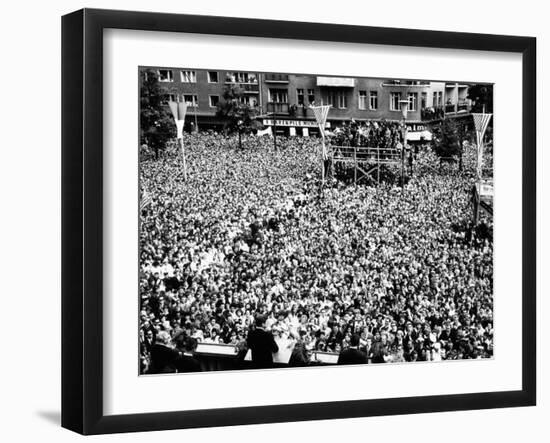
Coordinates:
[262,344]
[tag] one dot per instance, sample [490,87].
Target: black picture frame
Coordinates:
[82,220]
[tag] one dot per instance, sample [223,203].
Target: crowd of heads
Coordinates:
[433,113]
[251,232]
[374,134]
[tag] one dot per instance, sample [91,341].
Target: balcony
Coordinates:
[405,83]
[241,78]
[449,108]
[435,113]
[277,108]
[439,112]
[461,106]
[250,88]
[276,78]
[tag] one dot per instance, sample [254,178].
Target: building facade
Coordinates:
[282,101]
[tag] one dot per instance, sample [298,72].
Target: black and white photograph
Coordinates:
[296,220]
[259,221]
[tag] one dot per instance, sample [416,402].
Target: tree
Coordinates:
[155,121]
[448,138]
[482,97]
[237,114]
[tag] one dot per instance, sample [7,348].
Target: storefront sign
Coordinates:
[416,127]
[294,123]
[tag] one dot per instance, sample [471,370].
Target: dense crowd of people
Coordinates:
[374,134]
[399,274]
[432,113]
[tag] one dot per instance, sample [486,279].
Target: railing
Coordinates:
[278,108]
[250,87]
[438,112]
[240,80]
[455,107]
[434,113]
[297,111]
[449,108]
[276,78]
[303,111]
[365,154]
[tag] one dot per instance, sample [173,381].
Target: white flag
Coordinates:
[179,110]
[321,113]
[481,121]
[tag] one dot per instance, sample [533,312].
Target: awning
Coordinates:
[336,81]
[417,135]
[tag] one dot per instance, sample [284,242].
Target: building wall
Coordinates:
[258,86]
[204,113]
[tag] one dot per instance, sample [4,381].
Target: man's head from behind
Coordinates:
[260,321]
[190,344]
[163,338]
[354,341]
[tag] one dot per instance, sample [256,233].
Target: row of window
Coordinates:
[335,98]
[412,98]
[370,101]
[367,99]
[167,75]
[192,99]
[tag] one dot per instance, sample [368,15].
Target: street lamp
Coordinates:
[404,108]
[240,124]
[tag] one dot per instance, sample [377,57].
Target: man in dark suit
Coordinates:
[352,355]
[163,355]
[262,345]
[187,362]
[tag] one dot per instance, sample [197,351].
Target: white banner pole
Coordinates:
[179,110]
[323,153]
[321,113]
[184,163]
[479,154]
[179,128]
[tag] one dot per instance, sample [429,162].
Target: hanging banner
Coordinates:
[178,109]
[266,131]
[321,113]
[481,121]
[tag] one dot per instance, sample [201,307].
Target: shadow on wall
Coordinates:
[54,417]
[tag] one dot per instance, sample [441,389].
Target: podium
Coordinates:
[282,357]
[325,358]
[217,357]
[222,357]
